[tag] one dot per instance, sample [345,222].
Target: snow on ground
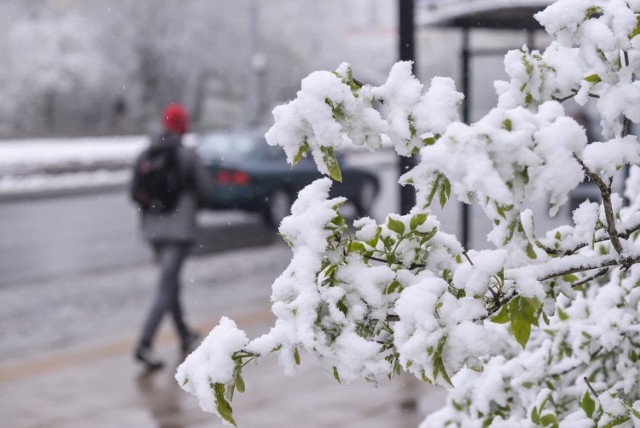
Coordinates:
[37,166]
[19,157]
[52,165]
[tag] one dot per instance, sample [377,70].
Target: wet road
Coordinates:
[66,235]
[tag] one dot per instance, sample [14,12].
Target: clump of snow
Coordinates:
[608,157]
[332,111]
[211,363]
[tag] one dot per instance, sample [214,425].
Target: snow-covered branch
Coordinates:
[517,327]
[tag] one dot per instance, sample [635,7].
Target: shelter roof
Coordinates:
[494,14]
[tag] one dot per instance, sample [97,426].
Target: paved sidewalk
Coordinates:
[67,363]
[100,386]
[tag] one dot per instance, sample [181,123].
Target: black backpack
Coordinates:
[157,181]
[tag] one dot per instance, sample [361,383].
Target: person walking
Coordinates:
[169,184]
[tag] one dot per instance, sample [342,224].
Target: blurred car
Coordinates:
[250,175]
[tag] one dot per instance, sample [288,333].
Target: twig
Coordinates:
[412,266]
[590,387]
[626,58]
[601,263]
[604,264]
[468,258]
[573,94]
[592,356]
[625,126]
[605,191]
[496,308]
[590,278]
[560,100]
[625,122]
[623,234]
[496,296]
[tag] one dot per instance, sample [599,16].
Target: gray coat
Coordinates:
[179,225]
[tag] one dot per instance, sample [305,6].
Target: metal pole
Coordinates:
[408,401]
[253,95]
[407,53]
[531,39]
[466,106]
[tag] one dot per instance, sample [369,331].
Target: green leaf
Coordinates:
[457,406]
[445,192]
[336,109]
[522,314]
[296,356]
[412,127]
[222,405]
[430,140]
[548,419]
[330,161]
[434,189]
[304,148]
[336,376]
[511,230]
[395,225]
[356,247]
[593,78]
[277,348]
[487,422]
[528,99]
[351,82]
[570,277]
[636,31]
[438,362]
[239,382]
[444,373]
[507,125]
[562,315]
[393,287]
[588,404]
[535,418]
[342,307]
[417,220]
[503,315]
[427,236]
[617,421]
[531,252]
[592,11]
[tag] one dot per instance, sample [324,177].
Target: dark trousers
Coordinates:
[170,257]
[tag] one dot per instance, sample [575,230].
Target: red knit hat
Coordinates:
[175,119]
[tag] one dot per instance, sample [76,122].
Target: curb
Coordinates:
[54,193]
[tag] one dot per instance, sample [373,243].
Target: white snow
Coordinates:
[515,328]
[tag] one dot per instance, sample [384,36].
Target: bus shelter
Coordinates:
[468,16]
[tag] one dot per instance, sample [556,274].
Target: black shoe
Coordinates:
[149,359]
[190,343]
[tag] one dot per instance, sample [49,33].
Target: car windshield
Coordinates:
[220,147]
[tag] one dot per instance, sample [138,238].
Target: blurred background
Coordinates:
[78,67]
[82,85]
